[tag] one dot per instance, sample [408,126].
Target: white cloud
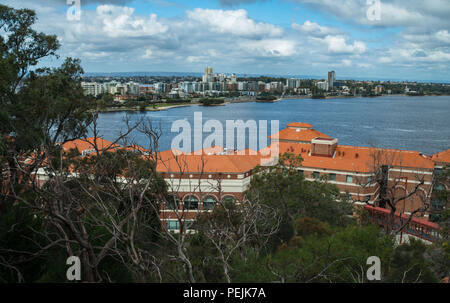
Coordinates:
[121,22]
[346,62]
[338,44]
[148,54]
[121,38]
[314,29]
[234,22]
[364,65]
[271,47]
[443,36]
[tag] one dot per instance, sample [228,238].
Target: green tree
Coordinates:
[410,265]
[282,187]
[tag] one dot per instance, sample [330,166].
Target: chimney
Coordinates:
[323,146]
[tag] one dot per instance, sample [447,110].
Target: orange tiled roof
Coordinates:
[88,144]
[300,124]
[206,163]
[355,158]
[305,135]
[443,156]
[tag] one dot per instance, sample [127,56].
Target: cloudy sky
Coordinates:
[400,39]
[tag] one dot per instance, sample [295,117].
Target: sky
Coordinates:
[387,39]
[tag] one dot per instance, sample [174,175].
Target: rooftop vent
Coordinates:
[323,146]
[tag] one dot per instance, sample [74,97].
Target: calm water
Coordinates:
[414,123]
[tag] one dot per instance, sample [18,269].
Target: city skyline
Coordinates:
[289,37]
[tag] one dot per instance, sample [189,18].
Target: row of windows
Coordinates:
[332,177]
[191,202]
[175,224]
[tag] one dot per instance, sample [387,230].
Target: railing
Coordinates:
[417,227]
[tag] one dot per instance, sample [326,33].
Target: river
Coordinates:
[401,122]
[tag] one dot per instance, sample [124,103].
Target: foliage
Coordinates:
[210,101]
[338,257]
[409,264]
[282,187]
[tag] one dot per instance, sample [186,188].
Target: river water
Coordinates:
[401,122]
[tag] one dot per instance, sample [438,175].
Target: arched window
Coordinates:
[209,203]
[191,203]
[228,199]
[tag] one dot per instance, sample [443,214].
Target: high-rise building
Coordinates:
[132,88]
[92,88]
[233,79]
[293,83]
[110,87]
[331,79]
[323,85]
[208,75]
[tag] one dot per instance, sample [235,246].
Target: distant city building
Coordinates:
[323,85]
[92,88]
[161,88]
[293,83]
[132,88]
[331,79]
[208,75]
[379,89]
[110,87]
[233,79]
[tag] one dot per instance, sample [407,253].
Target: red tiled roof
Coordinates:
[206,163]
[355,158]
[299,124]
[88,144]
[442,157]
[304,135]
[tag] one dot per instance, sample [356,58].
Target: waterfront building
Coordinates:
[92,88]
[208,75]
[132,88]
[293,83]
[331,79]
[323,85]
[161,87]
[199,180]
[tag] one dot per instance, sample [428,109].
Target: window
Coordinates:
[173,202]
[369,179]
[316,175]
[439,187]
[349,179]
[367,198]
[438,171]
[173,225]
[332,177]
[228,199]
[191,203]
[300,172]
[209,203]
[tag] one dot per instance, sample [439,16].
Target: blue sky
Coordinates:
[408,40]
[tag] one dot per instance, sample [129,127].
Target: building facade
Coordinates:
[199,180]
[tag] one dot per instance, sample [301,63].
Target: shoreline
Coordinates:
[244,100]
